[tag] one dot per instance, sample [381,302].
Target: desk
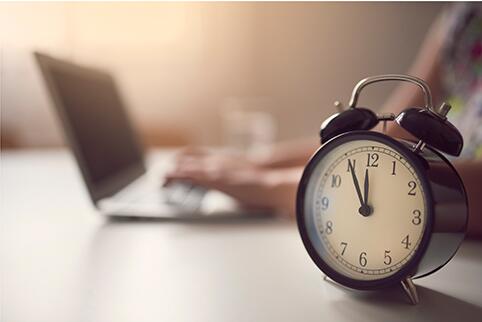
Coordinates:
[63,262]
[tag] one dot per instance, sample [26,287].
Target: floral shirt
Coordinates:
[462,61]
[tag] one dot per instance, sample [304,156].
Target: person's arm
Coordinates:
[254,187]
[428,67]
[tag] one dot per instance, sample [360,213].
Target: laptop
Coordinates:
[108,153]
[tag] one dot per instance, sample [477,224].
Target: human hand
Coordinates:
[253,186]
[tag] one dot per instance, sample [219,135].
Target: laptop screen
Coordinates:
[97,125]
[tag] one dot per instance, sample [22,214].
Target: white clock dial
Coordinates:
[366,236]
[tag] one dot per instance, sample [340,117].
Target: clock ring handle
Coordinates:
[392,77]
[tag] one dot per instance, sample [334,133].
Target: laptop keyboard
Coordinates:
[181,194]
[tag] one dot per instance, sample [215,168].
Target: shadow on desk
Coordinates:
[393,304]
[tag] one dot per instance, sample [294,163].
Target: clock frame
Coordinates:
[446,211]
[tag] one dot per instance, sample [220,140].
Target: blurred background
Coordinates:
[189,71]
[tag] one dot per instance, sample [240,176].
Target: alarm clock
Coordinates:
[374,211]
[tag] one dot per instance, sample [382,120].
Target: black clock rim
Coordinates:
[418,164]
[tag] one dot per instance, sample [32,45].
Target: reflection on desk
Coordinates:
[63,262]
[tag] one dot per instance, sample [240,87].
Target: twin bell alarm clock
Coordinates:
[374,211]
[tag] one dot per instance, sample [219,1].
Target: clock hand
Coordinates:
[366,208]
[357,188]
[365,199]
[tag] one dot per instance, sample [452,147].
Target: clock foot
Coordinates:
[410,290]
[407,285]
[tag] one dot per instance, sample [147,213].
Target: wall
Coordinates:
[178,64]
[311,54]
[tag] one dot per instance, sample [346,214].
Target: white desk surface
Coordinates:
[61,261]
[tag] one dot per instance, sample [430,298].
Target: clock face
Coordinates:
[365,209]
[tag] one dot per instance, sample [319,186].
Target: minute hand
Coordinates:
[365,192]
[357,186]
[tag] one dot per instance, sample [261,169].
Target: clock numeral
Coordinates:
[343,244]
[329,227]
[417,219]
[393,168]
[325,202]
[351,165]
[387,259]
[412,185]
[335,181]
[363,259]
[372,160]
[406,242]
